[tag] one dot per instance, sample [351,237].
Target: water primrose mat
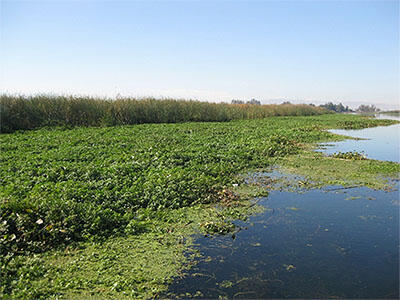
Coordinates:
[111,212]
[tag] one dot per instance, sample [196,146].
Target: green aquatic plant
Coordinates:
[352,198]
[353,155]
[321,170]
[226,284]
[289,268]
[217,227]
[292,208]
[105,210]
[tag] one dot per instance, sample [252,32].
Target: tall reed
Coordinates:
[29,112]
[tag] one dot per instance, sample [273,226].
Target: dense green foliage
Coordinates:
[61,185]
[336,107]
[64,185]
[18,112]
[367,108]
[133,266]
[354,155]
[69,185]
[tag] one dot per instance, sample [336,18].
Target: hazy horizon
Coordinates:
[273,51]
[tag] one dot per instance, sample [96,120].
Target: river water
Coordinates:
[382,143]
[321,243]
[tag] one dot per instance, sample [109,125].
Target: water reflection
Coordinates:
[322,243]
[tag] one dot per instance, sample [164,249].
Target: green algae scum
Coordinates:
[122,211]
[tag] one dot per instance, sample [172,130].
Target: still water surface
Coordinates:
[321,243]
[382,143]
[330,242]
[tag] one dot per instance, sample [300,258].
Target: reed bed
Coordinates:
[30,112]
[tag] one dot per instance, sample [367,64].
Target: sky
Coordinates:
[273,51]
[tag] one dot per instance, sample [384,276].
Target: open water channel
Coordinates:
[382,143]
[321,243]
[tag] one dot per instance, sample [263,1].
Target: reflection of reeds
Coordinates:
[21,112]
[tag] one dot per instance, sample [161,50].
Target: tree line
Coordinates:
[339,108]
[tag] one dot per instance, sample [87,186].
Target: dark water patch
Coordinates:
[333,242]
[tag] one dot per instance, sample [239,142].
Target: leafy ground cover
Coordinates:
[322,170]
[110,211]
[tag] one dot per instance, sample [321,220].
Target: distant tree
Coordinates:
[286,102]
[237,101]
[329,106]
[336,107]
[340,108]
[254,101]
[367,108]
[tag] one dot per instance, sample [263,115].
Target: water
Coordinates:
[382,143]
[321,243]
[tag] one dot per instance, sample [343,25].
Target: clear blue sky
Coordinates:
[308,51]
